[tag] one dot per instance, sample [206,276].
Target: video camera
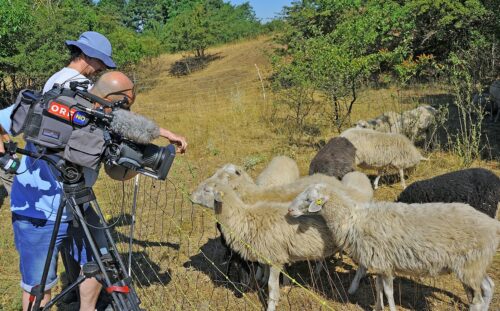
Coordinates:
[85,130]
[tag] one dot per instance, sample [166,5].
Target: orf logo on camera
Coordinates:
[61,111]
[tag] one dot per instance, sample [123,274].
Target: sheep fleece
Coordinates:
[428,239]
[270,232]
[336,158]
[377,150]
[477,187]
[281,170]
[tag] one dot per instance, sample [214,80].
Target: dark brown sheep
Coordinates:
[336,158]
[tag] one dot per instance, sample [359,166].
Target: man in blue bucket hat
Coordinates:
[36,193]
[96,46]
[90,54]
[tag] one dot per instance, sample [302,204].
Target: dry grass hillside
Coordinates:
[222,111]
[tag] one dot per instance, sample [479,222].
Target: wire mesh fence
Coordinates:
[179,263]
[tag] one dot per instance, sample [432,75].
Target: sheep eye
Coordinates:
[238,173]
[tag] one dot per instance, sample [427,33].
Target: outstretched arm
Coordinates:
[178,140]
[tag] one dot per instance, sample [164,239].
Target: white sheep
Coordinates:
[359,182]
[263,232]
[495,98]
[280,171]
[413,123]
[356,184]
[383,151]
[414,239]
[236,177]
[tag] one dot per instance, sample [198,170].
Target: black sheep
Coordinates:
[477,187]
[244,269]
[336,158]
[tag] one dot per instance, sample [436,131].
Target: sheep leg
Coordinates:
[477,300]
[487,286]
[274,288]
[317,268]
[265,275]
[260,273]
[379,304]
[375,183]
[286,280]
[492,107]
[402,176]
[357,278]
[389,291]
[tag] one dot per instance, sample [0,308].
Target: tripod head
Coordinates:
[69,173]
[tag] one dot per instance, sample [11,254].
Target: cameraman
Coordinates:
[36,194]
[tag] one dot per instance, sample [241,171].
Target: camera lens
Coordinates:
[153,156]
[156,160]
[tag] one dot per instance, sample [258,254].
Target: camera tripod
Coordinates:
[109,268]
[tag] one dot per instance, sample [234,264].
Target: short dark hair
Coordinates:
[74,52]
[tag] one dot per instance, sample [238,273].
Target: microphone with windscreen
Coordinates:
[134,127]
[136,150]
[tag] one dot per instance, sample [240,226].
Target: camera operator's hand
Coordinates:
[4,138]
[9,163]
[178,140]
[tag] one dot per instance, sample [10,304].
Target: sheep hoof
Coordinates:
[271,306]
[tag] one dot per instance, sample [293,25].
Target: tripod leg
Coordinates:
[72,269]
[78,281]
[134,299]
[38,291]
[118,299]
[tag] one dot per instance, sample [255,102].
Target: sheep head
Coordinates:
[229,174]
[362,124]
[233,175]
[310,201]
[205,194]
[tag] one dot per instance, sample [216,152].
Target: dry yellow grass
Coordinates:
[221,111]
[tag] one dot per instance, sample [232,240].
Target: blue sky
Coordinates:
[265,9]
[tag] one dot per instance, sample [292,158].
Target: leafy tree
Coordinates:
[33,34]
[210,22]
[337,44]
[192,30]
[141,14]
[14,20]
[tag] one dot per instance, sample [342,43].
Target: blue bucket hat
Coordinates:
[95,45]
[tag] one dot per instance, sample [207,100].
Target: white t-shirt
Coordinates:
[64,77]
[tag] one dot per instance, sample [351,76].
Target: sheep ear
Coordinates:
[230,168]
[317,205]
[218,195]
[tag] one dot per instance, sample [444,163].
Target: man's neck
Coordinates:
[79,65]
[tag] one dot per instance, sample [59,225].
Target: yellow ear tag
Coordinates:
[107,217]
[221,194]
[319,202]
